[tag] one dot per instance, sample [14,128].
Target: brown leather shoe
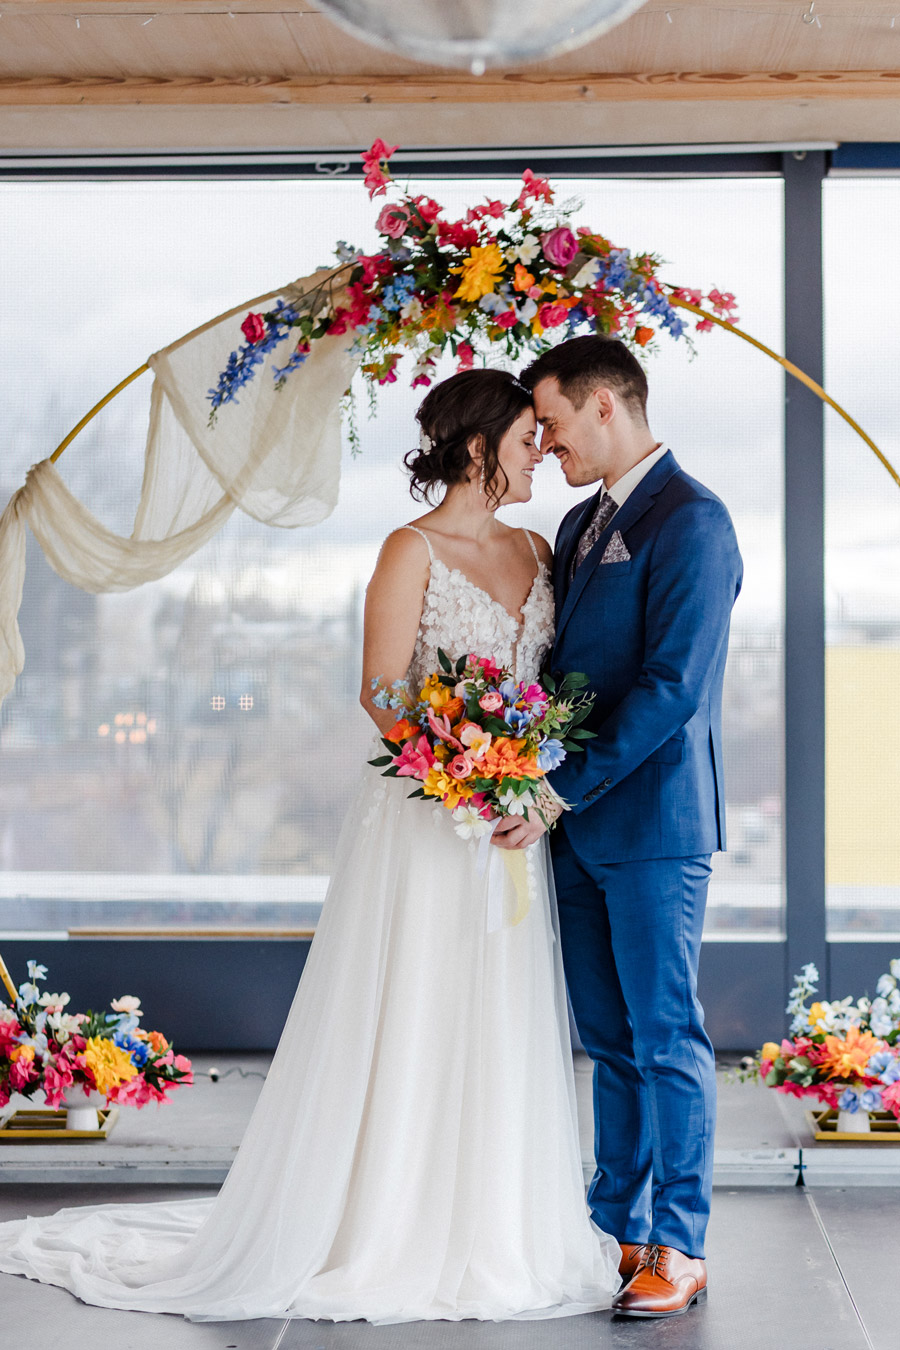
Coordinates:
[631,1259]
[667,1283]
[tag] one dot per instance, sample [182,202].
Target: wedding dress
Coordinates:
[413,1152]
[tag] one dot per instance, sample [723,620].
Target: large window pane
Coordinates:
[181,754]
[862,565]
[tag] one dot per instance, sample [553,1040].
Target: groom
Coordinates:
[646,572]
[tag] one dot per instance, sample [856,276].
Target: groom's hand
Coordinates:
[516,832]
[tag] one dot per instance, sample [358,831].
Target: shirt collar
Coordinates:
[622,490]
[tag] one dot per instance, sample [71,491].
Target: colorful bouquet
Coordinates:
[44,1047]
[509,273]
[845,1054]
[478,742]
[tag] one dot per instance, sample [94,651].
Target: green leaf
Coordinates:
[460,665]
[391,745]
[380,762]
[445,661]
[549,684]
[417,792]
[581,734]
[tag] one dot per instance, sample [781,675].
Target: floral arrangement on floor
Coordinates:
[845,1054]
[478,742]
[43,1047]
[509,273]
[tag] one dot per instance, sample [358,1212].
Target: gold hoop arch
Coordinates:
[787,365]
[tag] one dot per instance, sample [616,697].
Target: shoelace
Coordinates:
[656,1256]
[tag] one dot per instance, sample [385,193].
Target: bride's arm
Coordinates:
[394,600]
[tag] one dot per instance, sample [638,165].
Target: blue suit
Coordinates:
[631,858]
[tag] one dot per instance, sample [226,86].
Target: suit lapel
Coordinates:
[639,502]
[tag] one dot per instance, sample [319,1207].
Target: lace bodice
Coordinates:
[461,618]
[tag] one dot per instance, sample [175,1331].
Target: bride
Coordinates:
[413,1152]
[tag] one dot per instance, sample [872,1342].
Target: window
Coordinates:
[179,755]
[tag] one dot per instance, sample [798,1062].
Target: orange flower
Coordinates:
[642,335]
[21,1052]
[453,710]
[503,759]
[403,730]
[522,278]
[847,1057]
[158,1041]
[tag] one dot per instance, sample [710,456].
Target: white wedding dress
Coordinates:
[413,1152]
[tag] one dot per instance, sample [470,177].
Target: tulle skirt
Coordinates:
[413,1152]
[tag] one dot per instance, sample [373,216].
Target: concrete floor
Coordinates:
[809,1267]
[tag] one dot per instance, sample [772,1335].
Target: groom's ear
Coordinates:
[604,402]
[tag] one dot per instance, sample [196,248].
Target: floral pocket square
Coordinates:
[615,550]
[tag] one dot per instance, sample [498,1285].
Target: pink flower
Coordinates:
[377,177]
[415,760]
[694,297]
[9,1030]
[533,693]
[508,319]
[427,208]
[460,766]
[21,1073]
[360,304]
[340,322]
[551,316]
[254,327]
[420,379]
[539,188]
[374,266]
[478,803]
[891,1098]
[441,728]
[491,701]
[765,1067]
[489,666]
[55,1084]
[560,246]
[466,356]
[393,220]
[457,233]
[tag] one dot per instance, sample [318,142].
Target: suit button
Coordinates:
[607,782]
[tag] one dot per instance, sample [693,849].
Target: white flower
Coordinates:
[587,275]
[895,967]
[469,824]
[127,1004]
[515,803]
[53,1000]
[527,310]
[885,984]
[810,973]
[412,309]
[525,252]
[882,1023]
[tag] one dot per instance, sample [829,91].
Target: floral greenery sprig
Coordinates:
[846,1053]
[42,1046]
[508,276]
[478,741]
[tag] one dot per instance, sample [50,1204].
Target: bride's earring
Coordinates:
[481,479]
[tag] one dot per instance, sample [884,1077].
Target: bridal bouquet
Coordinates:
[478,742]
[513,275]
[42,1046]
[844,1053]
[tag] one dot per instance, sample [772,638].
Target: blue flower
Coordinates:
[870,1100]
[518,718]
[138,1050]
[849,1100]
[891,1073]
[29,993]
[878,1063]
[509,691]
[550,754]
[36,972]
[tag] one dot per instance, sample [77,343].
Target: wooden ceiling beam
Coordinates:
[684,86]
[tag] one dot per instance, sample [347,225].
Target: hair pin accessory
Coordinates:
[426,444]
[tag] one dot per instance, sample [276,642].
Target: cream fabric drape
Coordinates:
[274,454]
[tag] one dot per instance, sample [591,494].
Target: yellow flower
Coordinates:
[479,272]
[109,1063]
[440,784]
[816,1014]
[435,692]
[771,1051]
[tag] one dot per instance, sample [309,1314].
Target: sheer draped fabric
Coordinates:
[274,454]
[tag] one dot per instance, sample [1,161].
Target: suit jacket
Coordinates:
[651,634]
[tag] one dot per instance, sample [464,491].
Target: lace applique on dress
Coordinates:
[459,617]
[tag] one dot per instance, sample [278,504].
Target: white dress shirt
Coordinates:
[622,490]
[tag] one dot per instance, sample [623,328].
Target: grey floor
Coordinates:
[810,1268]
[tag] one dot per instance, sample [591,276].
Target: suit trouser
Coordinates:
[631,944]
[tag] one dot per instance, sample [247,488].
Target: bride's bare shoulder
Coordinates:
[405,547]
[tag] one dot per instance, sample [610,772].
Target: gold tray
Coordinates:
[42,1126]
[885,1128]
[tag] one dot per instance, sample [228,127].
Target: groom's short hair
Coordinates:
[583,364]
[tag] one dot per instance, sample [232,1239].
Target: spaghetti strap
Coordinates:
[424,536]
[531,542]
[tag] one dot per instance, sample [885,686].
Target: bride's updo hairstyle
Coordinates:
[482,403]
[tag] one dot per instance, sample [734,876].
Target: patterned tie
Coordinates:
[605,510]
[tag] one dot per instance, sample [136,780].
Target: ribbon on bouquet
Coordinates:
[501,865]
